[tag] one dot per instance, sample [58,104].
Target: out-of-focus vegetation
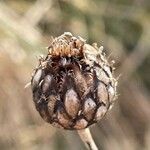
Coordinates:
[121,26]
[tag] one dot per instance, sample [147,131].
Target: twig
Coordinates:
[86,137]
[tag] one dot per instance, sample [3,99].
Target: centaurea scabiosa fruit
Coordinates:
[73,86]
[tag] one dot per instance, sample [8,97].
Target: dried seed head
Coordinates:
[73,87]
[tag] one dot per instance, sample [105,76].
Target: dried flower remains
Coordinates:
[73,86]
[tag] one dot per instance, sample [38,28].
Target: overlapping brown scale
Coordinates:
[79,81]
[36,96]
[101,111]
[47,83]
[81,124]
[44,115]
[108,70]
[44,112]
[62,117]
[89,108]
[71,102]
[89,79]
[36,78]
[101,75]
[51,104]
[111,92]
[102,93]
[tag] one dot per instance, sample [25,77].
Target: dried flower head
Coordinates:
[73,87]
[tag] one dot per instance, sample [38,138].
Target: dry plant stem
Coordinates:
[86,137]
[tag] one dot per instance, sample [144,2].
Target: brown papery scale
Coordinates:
[73,86]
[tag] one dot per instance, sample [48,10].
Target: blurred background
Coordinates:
[121,26]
